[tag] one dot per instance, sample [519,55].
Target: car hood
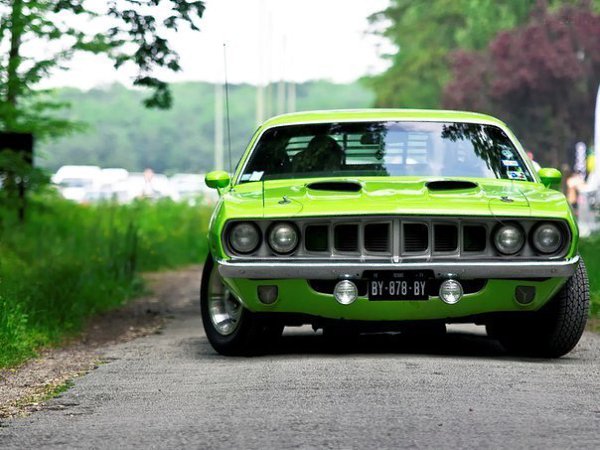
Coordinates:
[402,195]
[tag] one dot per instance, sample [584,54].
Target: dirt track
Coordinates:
[171,390]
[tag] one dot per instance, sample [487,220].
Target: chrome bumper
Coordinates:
[326,270]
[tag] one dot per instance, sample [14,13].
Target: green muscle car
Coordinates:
[392,220]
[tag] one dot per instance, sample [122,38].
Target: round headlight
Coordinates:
[283,237]
[244,237]
[509,239]
[547,238]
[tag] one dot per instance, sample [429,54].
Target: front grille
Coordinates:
[346,238]
[445,238]
[408,237]
[316,238]
[377,237]
[416,237]
[474,238]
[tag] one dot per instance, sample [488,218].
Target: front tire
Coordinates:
[554,330]
[231,329]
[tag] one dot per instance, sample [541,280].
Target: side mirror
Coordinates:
[217,179]
[551,178]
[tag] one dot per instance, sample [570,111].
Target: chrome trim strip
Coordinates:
[325,270]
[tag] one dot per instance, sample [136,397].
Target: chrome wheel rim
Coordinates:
[223,308]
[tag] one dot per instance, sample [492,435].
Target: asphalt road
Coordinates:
[172,391]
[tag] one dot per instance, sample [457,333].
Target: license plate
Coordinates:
[398,286]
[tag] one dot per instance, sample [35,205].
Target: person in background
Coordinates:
[535,163]
[149,191]
[575,182]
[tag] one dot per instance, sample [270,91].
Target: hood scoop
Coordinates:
[335,186]
[450,185]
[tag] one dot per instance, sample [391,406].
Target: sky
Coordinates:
[297,40]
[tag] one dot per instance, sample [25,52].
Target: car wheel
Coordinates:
[554,330]
[231,329]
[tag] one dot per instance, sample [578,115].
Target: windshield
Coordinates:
[385,149]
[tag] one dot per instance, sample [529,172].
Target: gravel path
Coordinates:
[170,390]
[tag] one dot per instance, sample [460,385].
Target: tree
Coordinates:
[127,31]
[125,135]
[541,78]
[425,34]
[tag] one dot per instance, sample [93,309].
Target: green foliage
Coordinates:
[68,262]
[541,78]
[134,34]
[124,134]
[14,171]
[590,251]
[425,34]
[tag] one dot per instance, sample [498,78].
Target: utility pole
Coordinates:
[269,68]
[281,96]
[291,96]
[260,103]
[281,91]
[219,131]
[597,136]
[291,85]
[260,86]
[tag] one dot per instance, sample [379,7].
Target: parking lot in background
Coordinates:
[91,184]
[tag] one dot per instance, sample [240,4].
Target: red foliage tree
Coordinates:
[540,78]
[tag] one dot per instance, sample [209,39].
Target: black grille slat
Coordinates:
[445,238]
[346,238]
[416,237]
[377,237]
[316,238]
[374,237]
[474,238]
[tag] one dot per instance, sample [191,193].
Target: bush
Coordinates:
[67,262]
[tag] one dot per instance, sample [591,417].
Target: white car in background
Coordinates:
[74,182]
[148,185]
[110,176]
[104,188]
[192,188]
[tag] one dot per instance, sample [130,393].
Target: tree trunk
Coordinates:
[14,60]
[13,89]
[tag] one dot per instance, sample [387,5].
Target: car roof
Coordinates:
[375,114]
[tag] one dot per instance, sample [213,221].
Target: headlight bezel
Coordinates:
[496,232]
[561,234]
[272,229]
[230,242]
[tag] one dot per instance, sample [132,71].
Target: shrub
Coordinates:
[68,261]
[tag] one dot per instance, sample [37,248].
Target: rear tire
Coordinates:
[554,330]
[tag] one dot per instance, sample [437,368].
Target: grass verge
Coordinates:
[590,251]
[68,262]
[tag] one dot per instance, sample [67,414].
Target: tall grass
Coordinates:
[68,262]
[590,251]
